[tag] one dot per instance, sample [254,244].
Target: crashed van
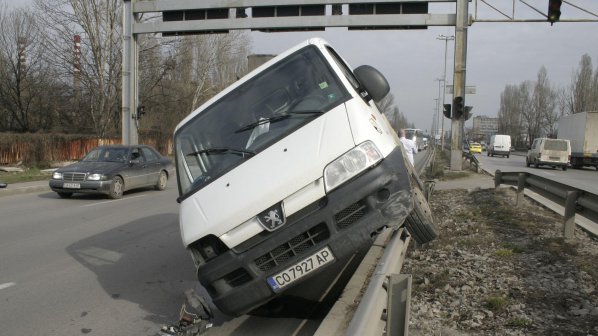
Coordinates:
[287,171]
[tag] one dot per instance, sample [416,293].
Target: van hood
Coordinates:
[268,178]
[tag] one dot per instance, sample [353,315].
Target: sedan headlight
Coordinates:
[96,177]
[351,164]
[57,176]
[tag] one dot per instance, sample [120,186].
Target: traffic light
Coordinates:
[447,110]
[140,112]
[458,107]
[554,10]
[467,112]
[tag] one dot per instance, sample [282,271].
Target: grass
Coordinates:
[519,322]
[28,175]
[496,303]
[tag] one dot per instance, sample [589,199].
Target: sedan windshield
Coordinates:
[258,113]
[106,155]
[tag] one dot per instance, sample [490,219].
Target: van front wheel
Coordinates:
[420,222]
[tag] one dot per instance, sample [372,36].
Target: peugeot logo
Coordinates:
[272,218]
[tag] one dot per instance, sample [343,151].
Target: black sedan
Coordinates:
[113,169]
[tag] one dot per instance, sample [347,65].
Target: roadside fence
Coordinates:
[574,200]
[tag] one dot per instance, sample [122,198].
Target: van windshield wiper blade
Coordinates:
[263,121]
[223,150]
[308,112]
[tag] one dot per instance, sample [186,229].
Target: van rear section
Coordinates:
[500,144]
[549,152]
[287,172]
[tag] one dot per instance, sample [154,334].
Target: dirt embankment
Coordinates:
[501,270]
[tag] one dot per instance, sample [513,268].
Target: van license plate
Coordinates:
[300,269]
[72,185]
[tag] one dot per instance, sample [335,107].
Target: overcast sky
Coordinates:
[497,54]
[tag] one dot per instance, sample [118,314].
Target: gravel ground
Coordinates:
[501,270]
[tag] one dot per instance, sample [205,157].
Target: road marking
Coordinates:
[6,285]
[106,202]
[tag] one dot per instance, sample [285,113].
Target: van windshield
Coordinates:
[557,145]
[255,115]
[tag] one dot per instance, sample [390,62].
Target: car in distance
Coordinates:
[475,147]
[112,170]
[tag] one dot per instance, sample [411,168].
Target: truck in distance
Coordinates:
[580,130]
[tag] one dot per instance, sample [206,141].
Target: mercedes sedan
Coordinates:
[112,170]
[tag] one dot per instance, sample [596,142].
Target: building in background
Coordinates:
[483,128]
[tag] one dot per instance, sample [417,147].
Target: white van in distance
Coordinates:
[500,144]
[288,171]
[549,152]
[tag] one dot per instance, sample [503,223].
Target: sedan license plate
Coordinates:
[300,269]
[71,186]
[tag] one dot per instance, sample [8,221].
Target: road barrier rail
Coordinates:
[574,200]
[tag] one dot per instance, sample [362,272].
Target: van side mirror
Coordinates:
[372,81]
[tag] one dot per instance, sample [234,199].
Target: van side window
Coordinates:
[345,69]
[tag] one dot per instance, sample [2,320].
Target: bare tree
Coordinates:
[98,22]
[544,100]
[27,88]
[509,113]
[583,91]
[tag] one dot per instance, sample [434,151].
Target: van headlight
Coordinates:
[351,164]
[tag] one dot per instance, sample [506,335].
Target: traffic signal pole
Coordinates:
[459,84]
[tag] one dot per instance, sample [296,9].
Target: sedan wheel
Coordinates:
[162,179]
[116,188]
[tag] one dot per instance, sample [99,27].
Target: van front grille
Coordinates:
[297,246]
[350,214]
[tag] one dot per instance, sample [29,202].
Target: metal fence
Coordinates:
[574,200]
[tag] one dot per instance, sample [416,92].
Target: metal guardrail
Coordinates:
[574,200]
[385,306]
[473,161]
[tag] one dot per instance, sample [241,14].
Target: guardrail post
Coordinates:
[399,301]
[520,188]
[497,179]
[569,222]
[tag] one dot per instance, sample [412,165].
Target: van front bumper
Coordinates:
[345,220]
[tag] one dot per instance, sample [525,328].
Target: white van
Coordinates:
[288,171]
[549,152]
[500,144]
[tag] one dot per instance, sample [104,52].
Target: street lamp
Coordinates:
[438,114]
[446,39]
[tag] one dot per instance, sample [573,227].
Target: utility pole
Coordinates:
[129,83]
[461,27]
[439,115]
[446,39]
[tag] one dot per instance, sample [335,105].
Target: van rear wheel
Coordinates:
[420,222]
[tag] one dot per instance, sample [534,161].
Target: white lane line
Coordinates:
[6,285]
[106,202]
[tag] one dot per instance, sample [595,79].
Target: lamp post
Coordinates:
[446,39]
[438,106]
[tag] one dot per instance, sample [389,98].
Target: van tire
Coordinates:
[420,222]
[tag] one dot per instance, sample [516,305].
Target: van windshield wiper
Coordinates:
[223,150]
[308,112]
[263,121]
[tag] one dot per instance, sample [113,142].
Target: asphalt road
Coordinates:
[94,266]
[585,178]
